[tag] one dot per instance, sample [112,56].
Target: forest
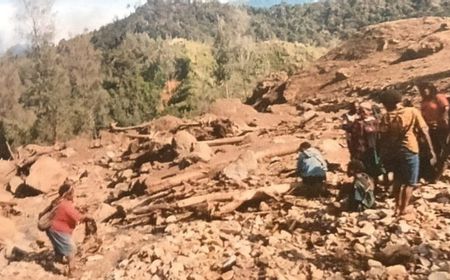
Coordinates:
[168,57]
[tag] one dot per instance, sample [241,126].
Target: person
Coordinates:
[363,140]
[312,168]
[362,189]
[399,146]
[348,120]
[64,220]
[435,110]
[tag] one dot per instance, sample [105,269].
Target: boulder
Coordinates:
[201,152]
[396,272]
[183,142]
[333,152]
[439,275]
[15,183]
[46,175]
[7,171]
[242,168]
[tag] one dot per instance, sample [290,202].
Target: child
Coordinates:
[312,168]
[362,196]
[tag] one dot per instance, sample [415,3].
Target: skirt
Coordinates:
[62,243]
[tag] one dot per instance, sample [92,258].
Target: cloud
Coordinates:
[71,18]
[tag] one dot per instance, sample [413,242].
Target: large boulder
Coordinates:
[183,142]
[7,171]
[242,168]
[46,175]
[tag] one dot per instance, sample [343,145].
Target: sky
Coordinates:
[72,17]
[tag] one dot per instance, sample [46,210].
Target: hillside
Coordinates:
[217,196]
[317,23]
[396,54]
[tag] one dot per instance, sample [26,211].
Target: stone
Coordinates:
[230,227]
[359,248]
[171,219]
[367,229]
[396,271]
[46,175]
[439,275]
[104,211]
[342,74]
[228,275]
[334,153]
[374,263]
[14,184]
[7,171]
[69,152]
[242,168]
[183,142]
[201,152]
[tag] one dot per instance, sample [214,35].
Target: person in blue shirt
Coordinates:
[312,168]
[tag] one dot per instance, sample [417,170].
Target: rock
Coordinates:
[171,219]
[374,263]
[228,264]
[228,275]
[69,152]
[46,175]
[104,211]
[396,272]
[15,183]
[230,227]
[201,152]
[7,171]
[334,153]
[367,229]
[427,47]
[359,248]
[183,142]
[242,168]
[342,74]
[403,227]
[7,230]
[395,254]
[439,275]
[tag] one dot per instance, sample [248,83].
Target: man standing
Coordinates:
[400,129]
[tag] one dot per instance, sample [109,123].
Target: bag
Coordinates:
[45,221]
[363,196]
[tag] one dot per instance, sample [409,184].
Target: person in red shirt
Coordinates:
[435,111]
[64,221]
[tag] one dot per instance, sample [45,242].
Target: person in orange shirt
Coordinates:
[399,146]
[435,111]
[64,221]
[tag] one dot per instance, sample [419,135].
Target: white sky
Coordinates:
[72,17]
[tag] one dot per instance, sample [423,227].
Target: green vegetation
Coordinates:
[169,57]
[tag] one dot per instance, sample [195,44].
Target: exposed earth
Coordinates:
[217,197]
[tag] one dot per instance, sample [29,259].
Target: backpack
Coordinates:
[362,196]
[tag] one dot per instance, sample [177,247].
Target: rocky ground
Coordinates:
[216,197]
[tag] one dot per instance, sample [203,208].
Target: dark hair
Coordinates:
[305,145]
[426,85]
[356,166]
[64,189]
[390,97]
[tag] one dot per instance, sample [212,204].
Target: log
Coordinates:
[114,127]
[155,186]
[158,185]
[225,141]
[279,150]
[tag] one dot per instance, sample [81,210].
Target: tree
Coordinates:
[90,100]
